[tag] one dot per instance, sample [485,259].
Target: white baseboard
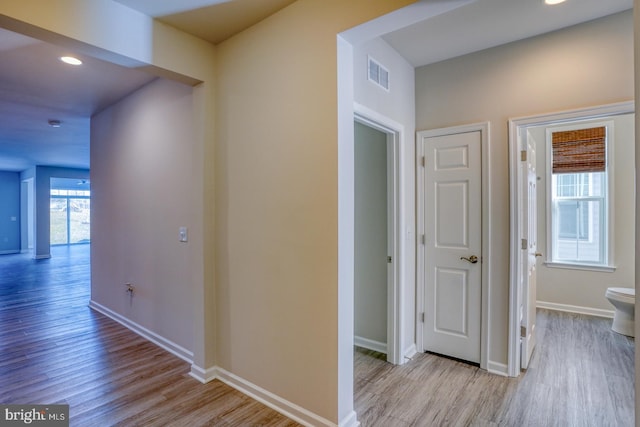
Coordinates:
[286,408]
[166,344]
[9,252]
[350,420]
[410,352]
[575,309]
[497,368]
[204,375]
[283,406]
[41,256]
[378,346]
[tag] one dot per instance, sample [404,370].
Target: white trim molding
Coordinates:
[410,352]
[380,347]
[497,368]
[203,375]
[568,308]
[11,252]
[584,267]
[160,341]
[350,420]
[277,403]
[397,217]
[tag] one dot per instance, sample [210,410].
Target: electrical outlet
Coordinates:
[130,288]
[182,232]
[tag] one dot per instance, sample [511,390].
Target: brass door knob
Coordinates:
[472,259]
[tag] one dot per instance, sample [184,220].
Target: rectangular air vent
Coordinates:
[378,74]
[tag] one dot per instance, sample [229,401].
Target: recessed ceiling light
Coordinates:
[54,123]
[70,60]
[552,2]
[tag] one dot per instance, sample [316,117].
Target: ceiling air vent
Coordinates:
[378,74]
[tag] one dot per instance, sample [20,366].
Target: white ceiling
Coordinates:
[487,23]
[36,87]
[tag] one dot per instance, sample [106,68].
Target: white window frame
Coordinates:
[607,244]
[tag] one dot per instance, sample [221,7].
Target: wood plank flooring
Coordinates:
[55,349]
[581,374]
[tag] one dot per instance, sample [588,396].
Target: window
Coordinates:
[70,212]
[579,203]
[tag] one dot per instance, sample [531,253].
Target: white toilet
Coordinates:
[624,300]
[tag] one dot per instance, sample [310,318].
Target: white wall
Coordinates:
[370,314]
[395,107]
[142,159]
[586,288]
[586,65]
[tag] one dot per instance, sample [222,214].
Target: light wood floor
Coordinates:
[581,374]
[55,350]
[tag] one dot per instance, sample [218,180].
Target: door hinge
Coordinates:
[422,239]
[422,317]
[389,259]
[523,332]
[524,244]
[423,161]
[523,155]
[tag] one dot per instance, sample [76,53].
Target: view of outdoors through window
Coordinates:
[70,216]
[579,194]
[579,202]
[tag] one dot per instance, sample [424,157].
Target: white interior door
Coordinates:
[452,227]
[529,255]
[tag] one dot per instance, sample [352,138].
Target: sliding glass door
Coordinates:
[70,217]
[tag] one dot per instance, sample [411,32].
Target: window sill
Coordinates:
[587,267]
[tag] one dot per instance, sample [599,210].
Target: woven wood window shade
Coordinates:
[576,151]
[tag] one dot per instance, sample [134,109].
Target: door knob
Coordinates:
[538,254]
[472,259]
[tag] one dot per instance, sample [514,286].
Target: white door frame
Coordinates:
[517,126]
[394,131]
[483,128]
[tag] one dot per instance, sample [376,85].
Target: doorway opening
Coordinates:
[377,309]
[525,293]
[70,211]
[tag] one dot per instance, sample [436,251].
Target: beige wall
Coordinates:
[585,65]
[141,163]
[586,288]
[277,195]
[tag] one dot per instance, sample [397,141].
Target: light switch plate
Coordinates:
[183,234]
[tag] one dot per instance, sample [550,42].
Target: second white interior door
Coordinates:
[452,227]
